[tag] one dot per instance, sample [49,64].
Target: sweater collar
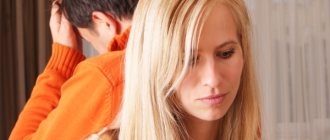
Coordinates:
[119,42]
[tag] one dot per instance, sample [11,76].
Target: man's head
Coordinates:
[99,20]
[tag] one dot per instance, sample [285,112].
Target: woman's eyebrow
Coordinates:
[229,42]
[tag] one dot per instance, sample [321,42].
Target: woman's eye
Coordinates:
[225,54]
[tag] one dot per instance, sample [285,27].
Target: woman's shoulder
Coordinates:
[104,134]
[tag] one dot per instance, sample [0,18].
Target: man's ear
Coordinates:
[106,21]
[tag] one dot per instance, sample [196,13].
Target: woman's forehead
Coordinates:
[219,28]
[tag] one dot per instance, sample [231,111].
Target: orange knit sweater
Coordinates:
[71,101]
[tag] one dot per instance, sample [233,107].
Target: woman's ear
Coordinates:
[105,22]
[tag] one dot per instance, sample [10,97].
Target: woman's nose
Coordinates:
[211,75]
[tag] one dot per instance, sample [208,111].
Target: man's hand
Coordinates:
[61,29]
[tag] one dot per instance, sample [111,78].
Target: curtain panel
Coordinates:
[25,48]
[292,52]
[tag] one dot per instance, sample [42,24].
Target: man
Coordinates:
[70,101]
[97,21]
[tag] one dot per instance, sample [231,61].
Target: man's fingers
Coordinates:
[64,20]
[55,8]
[65,24]
[55,17]
[55,20]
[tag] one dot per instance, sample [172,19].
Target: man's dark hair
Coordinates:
[79,12]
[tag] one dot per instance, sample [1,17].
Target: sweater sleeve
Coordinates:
[46,92]
[85,107]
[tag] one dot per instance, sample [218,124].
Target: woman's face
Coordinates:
[210,87]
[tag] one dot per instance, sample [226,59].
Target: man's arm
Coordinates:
[89,101]
[46,92]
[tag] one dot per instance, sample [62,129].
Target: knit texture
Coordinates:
[73,99]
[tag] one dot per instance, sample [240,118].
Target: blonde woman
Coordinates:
[189,73]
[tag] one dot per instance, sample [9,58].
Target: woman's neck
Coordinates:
[202,130]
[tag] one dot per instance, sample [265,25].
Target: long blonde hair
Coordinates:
[163,35]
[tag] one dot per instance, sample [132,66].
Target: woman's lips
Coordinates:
[213,99]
